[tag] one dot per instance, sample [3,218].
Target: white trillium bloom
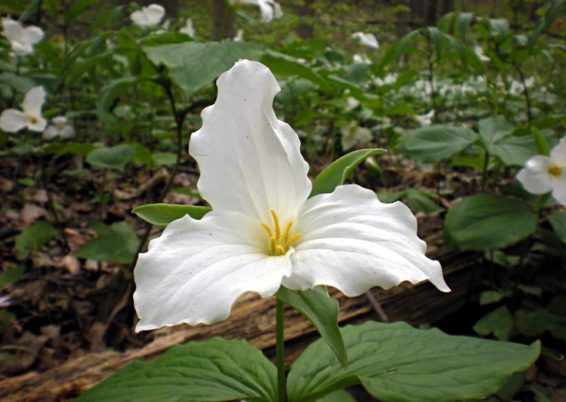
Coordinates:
[239,36]
[149,16]
[263,231]
[269,9]
[425,119]
[480,53]
[59,128]
[543,174]
[366,39]
[13,120]
[21,39]
[189,28]
[361,59]
[353,135]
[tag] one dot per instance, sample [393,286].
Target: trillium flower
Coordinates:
[480,53]
[269,9]
[425,119]
[21,39]
[361,59]
[13,120]
[189,28]
[543,174]
[59,128]
[263,231]
[239,36]
[353,135]
[366,39]
[149,16]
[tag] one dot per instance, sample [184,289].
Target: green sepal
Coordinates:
[321,310]
[337,172]
[163,214]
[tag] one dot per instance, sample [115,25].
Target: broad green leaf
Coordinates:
[109,94]
[421,201]
[338,171]
[194,65]
[11,276]
[32,238]
[396,362]
[340,395]
[493,129]
[322,311]
[514,150]
[75,148]
[489,222]
[492,296]
[435,143]
[213,370]
[557,220]
[284,65]
[163,214]
[117,243]
[116,157]
[535,323]
[498,322]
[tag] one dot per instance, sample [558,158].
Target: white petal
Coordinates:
[154,14]
[21,49]
[12,120]
[67,132]
[50,133]
[558,153]
[351,241]
[559,188]
[59,121]
[33,101]
[12,30]
[139,18]
[38,123]
[196,270]
[32,35]
[534,176]
[249,161]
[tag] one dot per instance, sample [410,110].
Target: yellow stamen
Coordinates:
[555,170]
[33,119]
[279,243]
[276,223]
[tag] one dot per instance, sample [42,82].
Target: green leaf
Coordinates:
[340,395]
[396,362]
[514,150]
[493,129]
[11,276]
[488,222]
[492,296]
[194,65]
[557,220]
[285,65]
[435,143]
[422,201]
[117,243]
[163,214]
[322,311]
[32,238]
[338,171]
[213,370]
[498,322]
[116,157]
[109,95]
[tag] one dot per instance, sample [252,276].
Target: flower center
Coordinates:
[279,241]
[555,170]
[33,119]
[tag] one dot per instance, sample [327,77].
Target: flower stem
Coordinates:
[280,351]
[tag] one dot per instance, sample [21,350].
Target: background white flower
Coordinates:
[543,174]
[366,39]
[21,39]
[480,53]
[239,36]
[59,128]
[13,120]
[361,59]
[149,16]
[263,231]
[189,28]
[425,119]
[353,134]
[269,9]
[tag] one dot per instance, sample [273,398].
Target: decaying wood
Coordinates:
[252,319]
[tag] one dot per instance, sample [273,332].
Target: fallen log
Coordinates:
[253,319]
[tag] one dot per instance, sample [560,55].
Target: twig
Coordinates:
[377,306]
